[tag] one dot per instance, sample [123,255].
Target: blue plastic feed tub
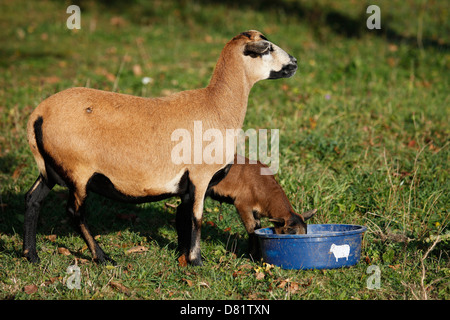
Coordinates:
[325,246]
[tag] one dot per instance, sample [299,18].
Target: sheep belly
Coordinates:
[102,185]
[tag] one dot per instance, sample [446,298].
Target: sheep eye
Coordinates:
[267,51]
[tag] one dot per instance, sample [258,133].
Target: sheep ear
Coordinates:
[278,222]
[255,49]
[309,214]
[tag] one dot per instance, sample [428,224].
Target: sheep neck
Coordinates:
[277,204]
[230,88]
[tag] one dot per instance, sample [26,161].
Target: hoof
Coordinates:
[196,262]
[32,257]
[104,260]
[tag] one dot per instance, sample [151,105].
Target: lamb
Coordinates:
[254,196]
[120,145]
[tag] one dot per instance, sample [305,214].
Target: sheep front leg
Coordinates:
[251,221]
[195,256]
[189,222]
[183,223]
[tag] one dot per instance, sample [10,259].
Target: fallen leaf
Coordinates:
[236,273]
[167,92]
[312,123]
[30,289]
[50,79]
[412,143]
[117,21]
[170,205]
[119,287]
[189,282]
[394,267]
[110,77]
[182,262]
[51,281]
[18,170]
[260,275]
[392,47]
[64,251]
[137,249]
[293,287]
[253,296]
[307,283]
[51,237]
[137,70]
[283,283]
[392,62]
[336,149]
[433,147]
[208,39]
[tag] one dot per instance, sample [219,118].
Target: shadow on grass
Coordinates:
[105,217]
[315,14]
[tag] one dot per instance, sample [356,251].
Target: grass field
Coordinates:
[364,137]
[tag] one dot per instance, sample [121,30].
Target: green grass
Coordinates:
[364,137]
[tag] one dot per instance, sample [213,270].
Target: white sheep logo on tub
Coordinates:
[340,251]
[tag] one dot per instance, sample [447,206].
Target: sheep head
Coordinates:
[295,224]
[263,59]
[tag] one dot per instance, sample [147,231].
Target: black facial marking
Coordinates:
[251,54]
[257,49]
[288,70]
[248,35]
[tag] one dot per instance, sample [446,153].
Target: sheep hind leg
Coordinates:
[76,210]
[33,202]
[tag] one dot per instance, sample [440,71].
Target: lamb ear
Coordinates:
[309,214]
[279,222]
[254,49]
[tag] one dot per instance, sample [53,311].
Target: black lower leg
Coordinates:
[33,202]
[183,223]
[195,257]
[188,230]
[77,214]
[254,249]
